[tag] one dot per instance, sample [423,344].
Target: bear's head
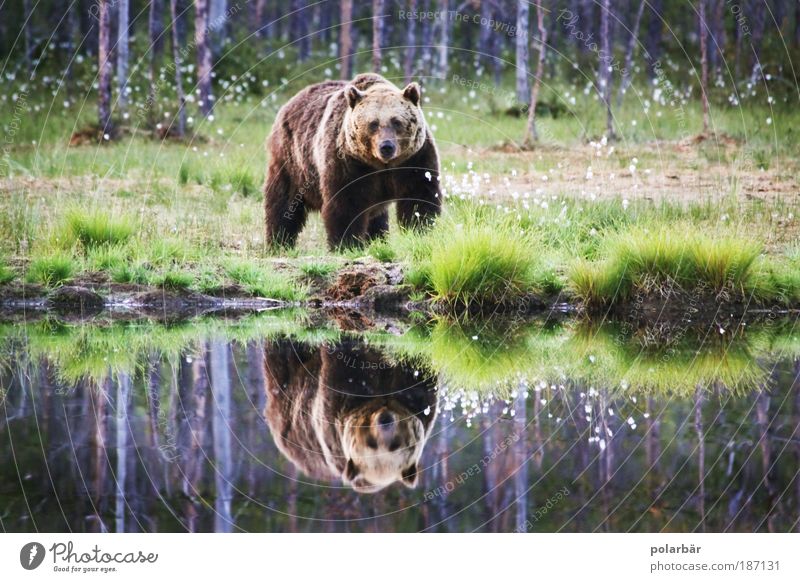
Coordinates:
[383,125]
[382,442]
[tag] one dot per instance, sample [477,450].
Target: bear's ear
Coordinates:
[350,471]
[353,95]
[412,92]
[410,476]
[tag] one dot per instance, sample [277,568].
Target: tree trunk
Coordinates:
[221,429]
[654,31]
[520,456]
[411,43]
[427,39]
[759,26]
[345,38]
[260,11]
[152,34]
[484,37]
[796,44]
[701,449]
[104,71]
[604,72]
[123,10]
[444,39]
[27,25]
[377,34]
[217,26]
[627,73]
[300,17]
[203,56]
[180,130]
[521,40]
[704,63]
[531,134]
[122,402]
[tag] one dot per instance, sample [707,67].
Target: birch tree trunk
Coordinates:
[104,71]
[203,56]
[26,25]
[180,129]
[704,63]
[345,38]
[604,71]
[444,39]
[123,10]
[152,33]
[411,42]
[221,420]
[627,73]
[260,11]
[122,401]
[377,34]
[521,41]
[217,26]
[531,133]
[701,451]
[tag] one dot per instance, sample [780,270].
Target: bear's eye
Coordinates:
[373,126]
[395,444]
[397,124]
[372,442]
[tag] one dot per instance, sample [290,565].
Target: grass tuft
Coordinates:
[693,260]
[6,273]
[52,270]
[96,228]
[174,280]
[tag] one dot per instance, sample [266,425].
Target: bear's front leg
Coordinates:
[345,225]
[419,198]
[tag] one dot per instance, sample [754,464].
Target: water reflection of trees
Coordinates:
[177,441]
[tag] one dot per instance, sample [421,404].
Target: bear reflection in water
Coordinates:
[343,412]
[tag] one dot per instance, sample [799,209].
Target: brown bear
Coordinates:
[350,149]
[342,412]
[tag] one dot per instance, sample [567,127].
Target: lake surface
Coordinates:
[292,425]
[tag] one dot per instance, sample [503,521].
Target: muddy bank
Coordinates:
[355,295]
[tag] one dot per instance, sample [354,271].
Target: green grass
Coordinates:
[94,228]
[679,254]
[475,257]
[174,280]
[317,269]
[6,273]
[107,258]
[265,282]
[133,274]
[52,270]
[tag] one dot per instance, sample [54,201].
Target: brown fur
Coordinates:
[325,155]
[324,407]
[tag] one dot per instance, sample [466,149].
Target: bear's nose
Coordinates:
[385,419]
[387,149]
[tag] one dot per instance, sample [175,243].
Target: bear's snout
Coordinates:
[387,149]
[385,420]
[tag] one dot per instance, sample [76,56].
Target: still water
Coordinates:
[258,426]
